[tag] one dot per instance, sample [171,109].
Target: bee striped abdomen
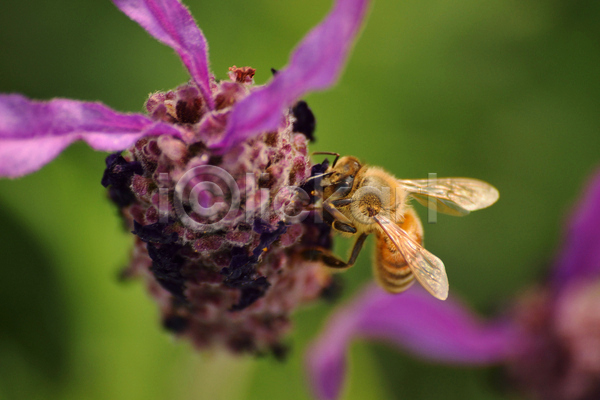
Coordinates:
[390,268]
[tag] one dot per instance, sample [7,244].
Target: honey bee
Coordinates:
[360,199]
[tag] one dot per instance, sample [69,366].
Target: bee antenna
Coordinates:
[318,176]
[329,153]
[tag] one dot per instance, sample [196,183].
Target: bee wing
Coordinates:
[453,196]
[427,268]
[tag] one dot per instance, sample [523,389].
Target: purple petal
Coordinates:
[32,133]
[580,254]
[413,321]
[171,23]
[315,65]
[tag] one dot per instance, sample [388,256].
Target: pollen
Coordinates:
[242,75]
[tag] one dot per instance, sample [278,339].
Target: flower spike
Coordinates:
[32,133]
[171,23]
[314,65]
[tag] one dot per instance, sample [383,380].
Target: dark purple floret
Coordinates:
[176,323]
[251,291]
[242,270]
[312,186]
[241,273]
[166,267]
[305,120]
[267,238]
[260,226]
[155,233]
[317,234]
[117,176]
[239,258]
[319,169]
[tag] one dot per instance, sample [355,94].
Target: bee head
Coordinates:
[346,167]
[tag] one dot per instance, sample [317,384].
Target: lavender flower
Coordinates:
[203,180]
[549,342]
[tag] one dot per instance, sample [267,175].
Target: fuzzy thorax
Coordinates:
[376,192]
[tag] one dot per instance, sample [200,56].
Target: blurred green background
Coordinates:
[505,91]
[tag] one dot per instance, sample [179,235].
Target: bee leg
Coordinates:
[333,261]
[342,227]
[341,202]
[335,213]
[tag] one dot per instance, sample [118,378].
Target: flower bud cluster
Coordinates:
[220,259]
